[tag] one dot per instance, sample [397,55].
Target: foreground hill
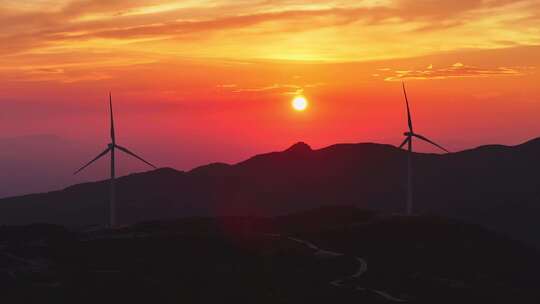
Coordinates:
[496,186]
[328,255]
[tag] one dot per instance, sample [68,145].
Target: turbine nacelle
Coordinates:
[408,134]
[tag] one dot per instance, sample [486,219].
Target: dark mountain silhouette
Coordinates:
[495,186]
[325,255]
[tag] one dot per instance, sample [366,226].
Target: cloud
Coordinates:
[277,88]
[326,29]
[40,30]
[284,89]
[456,70]
[59,75]
[226,86]
[303,19]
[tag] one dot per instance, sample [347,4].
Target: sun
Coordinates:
[299,103]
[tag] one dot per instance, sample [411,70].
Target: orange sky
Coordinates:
[212,80]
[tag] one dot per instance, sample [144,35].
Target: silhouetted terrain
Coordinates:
[495,186]
[328,255]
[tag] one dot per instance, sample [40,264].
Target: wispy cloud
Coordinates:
[281,89]
[285,89]
[456,70]
[338,30]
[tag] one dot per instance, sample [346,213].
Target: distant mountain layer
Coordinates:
[37,163]
[496,186]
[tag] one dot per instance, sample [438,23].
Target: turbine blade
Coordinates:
[430,141]
[408,110]
[113,137]
[404,142]
[125,150]
[93,160]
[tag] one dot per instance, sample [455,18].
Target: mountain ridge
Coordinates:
[484,185]
[330,147]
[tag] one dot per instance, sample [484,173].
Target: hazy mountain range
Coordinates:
[41,162]
[496,186]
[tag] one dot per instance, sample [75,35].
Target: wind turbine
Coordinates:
[111,147]
[409,141]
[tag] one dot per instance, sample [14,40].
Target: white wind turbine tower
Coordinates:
[409,140]
[111,148]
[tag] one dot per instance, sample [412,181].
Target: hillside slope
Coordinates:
[496,186]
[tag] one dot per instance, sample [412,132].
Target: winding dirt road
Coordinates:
[362,268]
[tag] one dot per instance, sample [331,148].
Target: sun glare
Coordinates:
[299,103]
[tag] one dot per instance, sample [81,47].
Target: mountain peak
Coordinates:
[299,147]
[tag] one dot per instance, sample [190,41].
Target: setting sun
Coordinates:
[299,103]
